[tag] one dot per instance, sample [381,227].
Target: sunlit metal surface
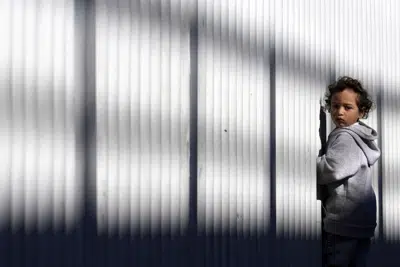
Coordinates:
[233,118]
[233,130]
[142,117]
[390,81]
[39,183]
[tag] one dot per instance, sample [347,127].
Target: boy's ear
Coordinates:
[361,115]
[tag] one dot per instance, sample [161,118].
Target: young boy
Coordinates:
[344,169]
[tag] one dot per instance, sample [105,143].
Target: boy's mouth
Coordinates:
[340,121]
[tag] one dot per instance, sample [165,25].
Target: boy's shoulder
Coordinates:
[340,135]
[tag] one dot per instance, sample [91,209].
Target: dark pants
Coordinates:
[343,251]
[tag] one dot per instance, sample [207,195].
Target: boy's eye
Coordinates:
[347,108]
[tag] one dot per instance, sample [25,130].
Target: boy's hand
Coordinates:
[322,131]
[322,151]
[322,136]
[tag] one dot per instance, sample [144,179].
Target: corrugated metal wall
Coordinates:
[40,185]
[142,119]
[233,131]
[142,96]
[390,95]
[183,132]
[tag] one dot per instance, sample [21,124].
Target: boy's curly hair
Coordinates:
[364,102]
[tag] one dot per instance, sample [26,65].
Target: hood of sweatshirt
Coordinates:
[365,137]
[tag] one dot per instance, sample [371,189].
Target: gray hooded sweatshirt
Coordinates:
[345,171]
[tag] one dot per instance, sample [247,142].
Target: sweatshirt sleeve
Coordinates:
[342,160]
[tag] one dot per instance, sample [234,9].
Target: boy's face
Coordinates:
[344,109]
